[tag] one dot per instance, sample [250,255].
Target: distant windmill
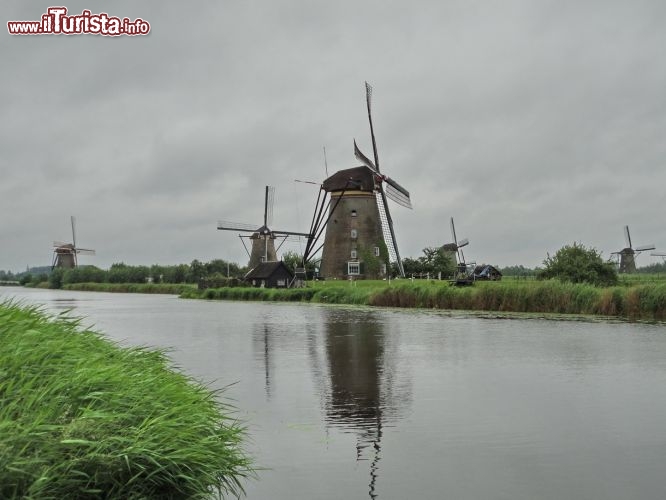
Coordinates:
[354,212]
[65,254]
[626,256]
[659,254]
[456,248]
[263,238]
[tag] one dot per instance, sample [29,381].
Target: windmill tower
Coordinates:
[65,254]
[360,240]
[262,237]
[455,248]
[627,256]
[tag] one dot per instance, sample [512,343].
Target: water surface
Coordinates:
[352,403]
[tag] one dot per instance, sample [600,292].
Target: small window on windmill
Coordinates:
[354,233]
[353,268]
[376,250]
[353,213]
[353,254]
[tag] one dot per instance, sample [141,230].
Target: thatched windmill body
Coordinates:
[262,238]
[627,256]
[359,238]
[65,254]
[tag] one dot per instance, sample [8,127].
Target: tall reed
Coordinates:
[81,417]
[638,302]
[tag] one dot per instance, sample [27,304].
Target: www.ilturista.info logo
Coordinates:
[57,22]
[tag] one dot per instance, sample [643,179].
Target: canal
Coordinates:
[353,403]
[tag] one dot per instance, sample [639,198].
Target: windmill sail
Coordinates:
[268,208]
[396,193]
[364,159]
[236,226]
[382,204]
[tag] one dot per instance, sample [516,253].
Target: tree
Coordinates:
[578,264]
[517,271]
[55,278]
[435,261]
[293,260]
[118,273]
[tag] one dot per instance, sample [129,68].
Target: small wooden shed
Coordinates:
[487,272]
[270,275]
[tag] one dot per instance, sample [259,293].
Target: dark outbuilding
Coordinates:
[487,272]
[270,275]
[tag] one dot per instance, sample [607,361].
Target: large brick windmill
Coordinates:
[359,240]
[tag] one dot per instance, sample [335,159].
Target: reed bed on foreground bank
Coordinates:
[81,417]
[638,302]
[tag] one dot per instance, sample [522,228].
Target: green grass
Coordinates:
[645,300]
[81,417]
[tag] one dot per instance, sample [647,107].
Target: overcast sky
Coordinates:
[533,123]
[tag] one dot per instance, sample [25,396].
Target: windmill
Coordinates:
[627,256]
[65,254]
[354,212]
[262,237]
[659,254]
[456,248]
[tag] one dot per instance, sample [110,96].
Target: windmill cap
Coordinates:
[357,178]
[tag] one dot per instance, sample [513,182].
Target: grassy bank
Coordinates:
[166,288]
[638,302]
[81,417]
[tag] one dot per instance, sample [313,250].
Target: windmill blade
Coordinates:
[268,205]
[397,193]
[627,237]
[85,251]
[364,159]
[645,248]
[73,231]
[290,233]
[453,232]
[461,255]
[387,230]
[308,182]
[463,243]
[236,226]
[368,99]
[398,197]
[57,244]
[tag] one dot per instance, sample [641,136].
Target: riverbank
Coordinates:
[83,417]
[165,288]
[637,302]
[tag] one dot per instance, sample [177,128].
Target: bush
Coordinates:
[578,264]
